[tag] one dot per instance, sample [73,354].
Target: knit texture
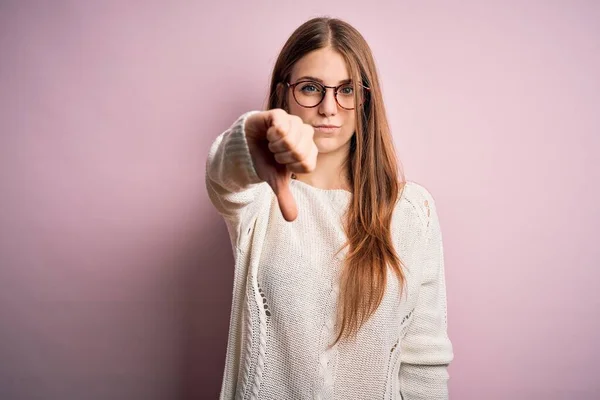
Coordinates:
[286,286]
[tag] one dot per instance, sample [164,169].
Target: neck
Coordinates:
[330,172]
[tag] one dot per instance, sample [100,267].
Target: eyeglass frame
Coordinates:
[324,93]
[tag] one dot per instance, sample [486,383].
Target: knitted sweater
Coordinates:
[286,285]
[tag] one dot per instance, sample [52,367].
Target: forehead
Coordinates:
[325,64]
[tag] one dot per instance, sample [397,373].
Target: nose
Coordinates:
[329,105]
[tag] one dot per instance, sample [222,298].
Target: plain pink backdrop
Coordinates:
[115,270]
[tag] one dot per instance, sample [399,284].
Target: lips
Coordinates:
[326,126]
[326,129]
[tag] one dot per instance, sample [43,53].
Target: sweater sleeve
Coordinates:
[231,180]
[426,350]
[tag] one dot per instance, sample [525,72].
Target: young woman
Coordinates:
[339,288]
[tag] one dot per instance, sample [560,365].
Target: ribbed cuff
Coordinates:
[237,149]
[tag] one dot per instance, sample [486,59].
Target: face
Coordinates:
[334,125]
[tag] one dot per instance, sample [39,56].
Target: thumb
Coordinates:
[287,203]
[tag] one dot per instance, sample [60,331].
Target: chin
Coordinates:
[325,147]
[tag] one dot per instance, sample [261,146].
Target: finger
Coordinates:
[298,153]
[296,135]
[300,167]
[279,129]
[276,114]
[287,203]
[307,164]
[274,134]
[288,157]
[286,143]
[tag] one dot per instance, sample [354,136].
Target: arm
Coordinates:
[426,349]
[231,179]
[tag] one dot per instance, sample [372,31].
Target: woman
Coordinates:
[339,289]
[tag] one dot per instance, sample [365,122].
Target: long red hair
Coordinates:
[372,168]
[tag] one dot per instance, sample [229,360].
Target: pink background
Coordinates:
[116,272]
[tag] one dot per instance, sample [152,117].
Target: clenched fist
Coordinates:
[281,144]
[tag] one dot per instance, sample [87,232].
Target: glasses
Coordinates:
[310,94]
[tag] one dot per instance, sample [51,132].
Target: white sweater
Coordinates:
[286,284]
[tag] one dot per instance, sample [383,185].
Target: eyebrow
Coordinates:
[312,78]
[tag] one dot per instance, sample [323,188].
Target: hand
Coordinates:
[281,144]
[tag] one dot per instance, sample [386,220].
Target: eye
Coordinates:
[310,87]
[347,90]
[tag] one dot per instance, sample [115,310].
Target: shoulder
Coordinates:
[419,199]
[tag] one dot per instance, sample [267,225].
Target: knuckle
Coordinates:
[271,135]
[306,165]
[283,129]
[277,118]
[287,144]
[296,154]
[277,134]
[277,112]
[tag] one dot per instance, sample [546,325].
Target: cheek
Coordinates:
[307,114]
[347,135]
[349,125]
